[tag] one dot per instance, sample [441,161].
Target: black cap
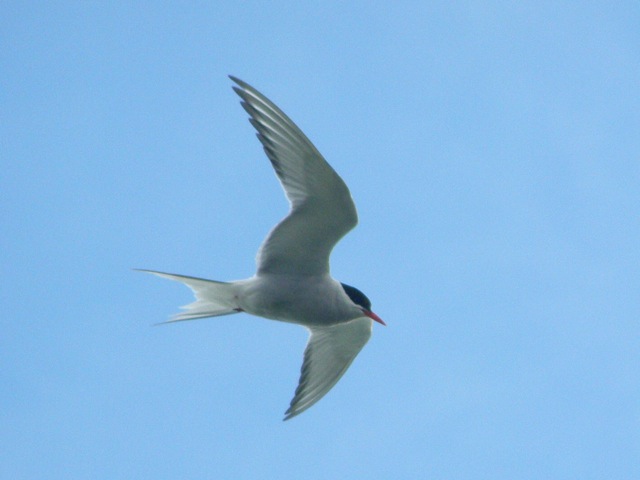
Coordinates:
[357,296]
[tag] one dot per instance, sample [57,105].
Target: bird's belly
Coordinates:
[307,301]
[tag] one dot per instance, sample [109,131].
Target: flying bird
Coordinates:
[292,282]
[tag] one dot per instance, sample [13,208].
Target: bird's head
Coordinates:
[361,300]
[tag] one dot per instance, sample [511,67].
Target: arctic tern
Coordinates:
[292,282]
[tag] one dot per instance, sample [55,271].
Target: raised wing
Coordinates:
[329,353]
[322,210]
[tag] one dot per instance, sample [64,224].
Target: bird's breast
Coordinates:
[306,300]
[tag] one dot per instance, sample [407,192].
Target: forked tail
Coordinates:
[212,298]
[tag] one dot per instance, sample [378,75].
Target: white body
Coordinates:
[318,300]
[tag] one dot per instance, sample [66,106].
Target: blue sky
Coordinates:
[493,151]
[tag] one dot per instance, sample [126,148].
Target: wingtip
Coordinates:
[288,415]
[238,82]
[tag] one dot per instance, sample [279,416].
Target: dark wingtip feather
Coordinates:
[238,81]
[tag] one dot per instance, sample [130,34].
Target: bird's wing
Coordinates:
[322,210]
[329,353]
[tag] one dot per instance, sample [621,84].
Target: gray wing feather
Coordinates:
[329,353]
[322,210]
